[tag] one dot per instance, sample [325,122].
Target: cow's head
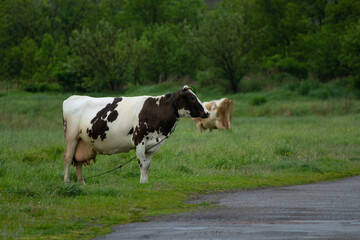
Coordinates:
[189,105]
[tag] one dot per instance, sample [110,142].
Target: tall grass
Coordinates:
[267,146]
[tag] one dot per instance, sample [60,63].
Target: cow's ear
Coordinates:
[186,87]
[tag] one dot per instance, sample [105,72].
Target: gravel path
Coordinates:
[325,210]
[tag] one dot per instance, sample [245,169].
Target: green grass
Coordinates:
[290,139]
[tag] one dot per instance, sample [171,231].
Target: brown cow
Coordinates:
[220,115]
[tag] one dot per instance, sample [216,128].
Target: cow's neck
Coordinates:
[157,115]
[174,106]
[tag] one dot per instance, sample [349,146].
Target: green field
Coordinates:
[290,139]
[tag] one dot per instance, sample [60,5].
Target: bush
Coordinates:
[257,101]
[251,85]
[293,86]
[288,65]
[304,88]
[205,78]
[323,94]
[42,87]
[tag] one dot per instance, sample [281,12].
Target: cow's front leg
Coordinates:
[144,162]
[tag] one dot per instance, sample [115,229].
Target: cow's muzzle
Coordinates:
[204,115]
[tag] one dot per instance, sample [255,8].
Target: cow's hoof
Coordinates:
[82,182]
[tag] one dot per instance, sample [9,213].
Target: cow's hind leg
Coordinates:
[79,173]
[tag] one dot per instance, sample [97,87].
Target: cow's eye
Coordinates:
[193,98]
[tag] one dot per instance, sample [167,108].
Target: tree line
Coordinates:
[92,45]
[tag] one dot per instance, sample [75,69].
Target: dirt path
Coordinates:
[326,210]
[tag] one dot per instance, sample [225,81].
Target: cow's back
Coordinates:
[77,107]
[104,123]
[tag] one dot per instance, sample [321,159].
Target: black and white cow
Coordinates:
[113,125]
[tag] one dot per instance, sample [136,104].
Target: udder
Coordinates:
[84,153]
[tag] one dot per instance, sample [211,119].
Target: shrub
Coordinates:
[293,86]
[304,88]
[42,87]
[286,65]
[205,78]
[257,101]
[323,94]
[251,85]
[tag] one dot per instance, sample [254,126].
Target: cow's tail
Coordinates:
[74,162]
[64,124]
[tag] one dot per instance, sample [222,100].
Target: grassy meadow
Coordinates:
[285,139]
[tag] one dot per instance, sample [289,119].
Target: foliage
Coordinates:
[90,45]
[169,54]
[256,101]
[102,57]
[223,39]
[349,56]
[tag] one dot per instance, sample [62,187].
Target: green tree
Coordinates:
[350,56]
[43,58]
[147,12]
[315,10]
[29,49]
[68,15]
[337,16]
[283,46]
[142,62]
[13,63]
[171,57]
[20,21]
[223,39]
[342,13]
[325,58]
[185,11]
[102,57]
[23,18]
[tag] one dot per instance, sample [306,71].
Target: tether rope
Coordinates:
[123,164]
